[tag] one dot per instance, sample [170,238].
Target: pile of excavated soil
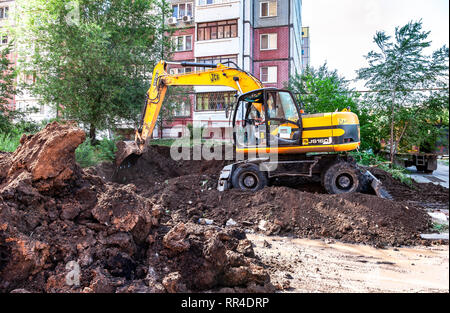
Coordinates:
[65,230]
[421,193]
[302,210]
[355,218]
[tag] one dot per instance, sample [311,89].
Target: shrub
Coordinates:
[106,150]
[9,142]
[85,154]
[368,158]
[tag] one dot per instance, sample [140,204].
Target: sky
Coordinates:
[342,31]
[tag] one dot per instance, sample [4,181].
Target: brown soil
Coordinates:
[428,195]
[57,220]
[299,207]
[141,229]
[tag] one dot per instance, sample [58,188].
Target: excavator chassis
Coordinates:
[339,173]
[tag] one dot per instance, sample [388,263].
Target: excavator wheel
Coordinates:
[249,178]
[341,177]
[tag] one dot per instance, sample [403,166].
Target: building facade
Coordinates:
[263,37]
[306,50]
[260,36]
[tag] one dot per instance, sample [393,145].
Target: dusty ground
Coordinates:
[302,265]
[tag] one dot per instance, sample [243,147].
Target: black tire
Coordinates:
[423,168]
[341,178]
[249,178]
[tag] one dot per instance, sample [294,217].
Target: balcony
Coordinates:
[217,10]
[215,47]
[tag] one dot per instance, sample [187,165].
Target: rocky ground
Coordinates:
[65,230]
[161,226]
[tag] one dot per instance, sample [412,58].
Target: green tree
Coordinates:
[322,90]
[400,70]
[93,59]
[7,88]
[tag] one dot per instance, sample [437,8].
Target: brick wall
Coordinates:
[282,51]
[282,72]
[185,55]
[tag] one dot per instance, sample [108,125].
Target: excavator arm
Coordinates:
[214,75]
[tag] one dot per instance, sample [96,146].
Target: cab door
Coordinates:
[283,120]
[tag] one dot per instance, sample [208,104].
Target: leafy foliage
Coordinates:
[397,70]
[88,154]
[323,90]
[368,158]
[9,142]
[7,88]
[93,59]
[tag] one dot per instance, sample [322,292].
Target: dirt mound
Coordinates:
[155,167]
[356,218]
[419,193]
[302,210]
[64,230]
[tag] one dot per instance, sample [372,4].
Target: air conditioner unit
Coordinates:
[187,19]
[172,21]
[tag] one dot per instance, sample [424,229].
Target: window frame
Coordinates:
[268,9]
[4,13]
[175,39]
[268,41]
[218,59]
[213,98]
[268,74]
[2,38]
[179,17]
[212,2]
[227,28]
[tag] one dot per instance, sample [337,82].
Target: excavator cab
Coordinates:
[267,117]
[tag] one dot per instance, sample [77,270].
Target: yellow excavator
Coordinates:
[272,135]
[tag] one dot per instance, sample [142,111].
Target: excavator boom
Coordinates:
[214,75]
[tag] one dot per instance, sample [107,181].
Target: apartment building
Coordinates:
[262,37]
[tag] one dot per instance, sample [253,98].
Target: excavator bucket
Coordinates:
[377,186]
[128,152]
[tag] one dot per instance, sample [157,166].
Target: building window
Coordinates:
[214,101]
[4,40]
[269,74]
[182,9]
[217,30]
[269,41]
[268,9]
[181,70]
[219,59]
[206,2]
[183,109]
[183,43]
[4,12]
